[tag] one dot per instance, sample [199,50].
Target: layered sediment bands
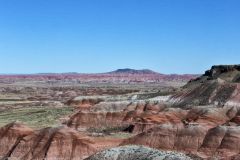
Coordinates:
[10,137]
[234,100]
[94,119]
[84,102]
[48,143]
[211,116]
[222,141]
[142,115]
[170,137]
[145,121]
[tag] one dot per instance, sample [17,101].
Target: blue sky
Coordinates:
[168,36]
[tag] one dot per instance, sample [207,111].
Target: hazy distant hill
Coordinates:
[133,71]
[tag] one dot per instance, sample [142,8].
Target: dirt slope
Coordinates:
[18,141]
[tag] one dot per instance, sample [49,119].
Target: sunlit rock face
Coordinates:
[10,137]
[21,142]
[220,141]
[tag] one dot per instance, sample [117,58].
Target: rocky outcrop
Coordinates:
[137,152]
[226,72]
[133,71]
[218,86]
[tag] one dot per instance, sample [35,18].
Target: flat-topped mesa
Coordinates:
[217,70]
[133,71]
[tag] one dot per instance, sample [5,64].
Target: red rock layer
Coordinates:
[142,115]
[50,143]
[10,137]
[84,102]
[94,119]
[220,142]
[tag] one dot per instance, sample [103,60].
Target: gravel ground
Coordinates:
[137,153]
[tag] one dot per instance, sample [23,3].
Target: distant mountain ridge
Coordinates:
[133,71]
[126,75]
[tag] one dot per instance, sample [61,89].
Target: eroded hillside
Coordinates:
[197,121]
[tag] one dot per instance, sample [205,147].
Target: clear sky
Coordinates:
[168,36]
